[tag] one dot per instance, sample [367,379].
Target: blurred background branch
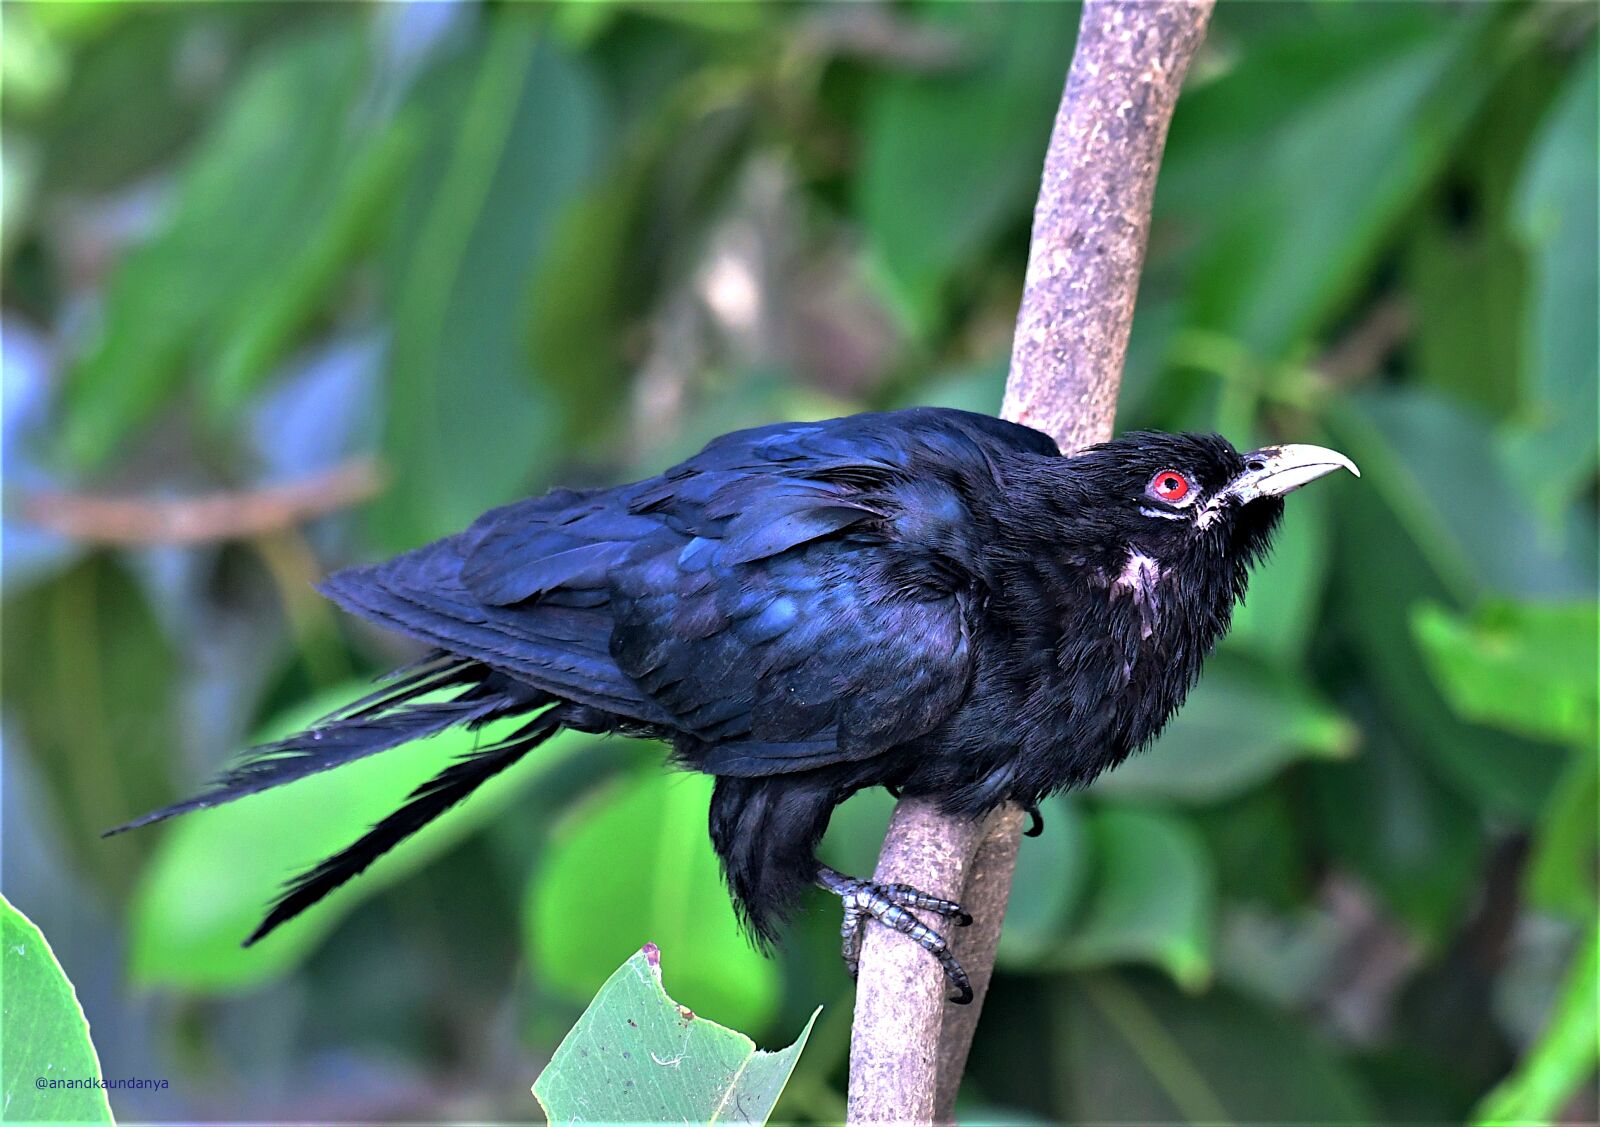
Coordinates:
[211,517]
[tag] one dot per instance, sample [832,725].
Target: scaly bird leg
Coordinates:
[890,905]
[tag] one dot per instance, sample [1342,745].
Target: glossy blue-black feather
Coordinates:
[770,602]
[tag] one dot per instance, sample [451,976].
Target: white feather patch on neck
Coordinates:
[1138,580]
[1139,576]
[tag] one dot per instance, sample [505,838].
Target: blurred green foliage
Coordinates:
[500,247]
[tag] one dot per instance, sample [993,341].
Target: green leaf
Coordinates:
[1466,272]
[1563,872]
[123,110]
[1276,619]
[637,1056]
[468,425]
[263,321]
[1562,1064]
[1152,896]
[1262,846]
[1340,147]
[579,300]
[1527,667]
[44,1037]
[1469,293]
[635,864]
[1554,450]
[1138,1052]
[1416,842]
[216,871]
[270,209]
[90,683]
[949,160]
[1398,525]
[1240,726]
[1408,442]
[1051,878]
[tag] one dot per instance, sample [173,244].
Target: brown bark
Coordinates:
[1090,226]
[207,518]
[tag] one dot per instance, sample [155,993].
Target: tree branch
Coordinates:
[210,517]
[908,1047]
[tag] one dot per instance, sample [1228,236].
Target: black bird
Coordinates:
[929,600]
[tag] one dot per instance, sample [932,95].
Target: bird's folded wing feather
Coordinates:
[770,599]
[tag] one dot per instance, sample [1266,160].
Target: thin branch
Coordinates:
[1090,226]
[1359,353]
[228,515]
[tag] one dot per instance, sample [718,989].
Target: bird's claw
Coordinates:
[1035,821]
[890,905]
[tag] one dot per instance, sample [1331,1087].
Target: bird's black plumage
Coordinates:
[930,600]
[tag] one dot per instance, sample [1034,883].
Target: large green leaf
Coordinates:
[1554,451]
[1152,896]
[637,1056]
[1241,725]
[1335,135]
[1469,294]
[1276,619]
[1466,272]
[1563,873]
[216,871]
[579,301]
[1415,841]
[1561,1065]
[949,160]
[1477,534]
[1527,667]
[1426,543]
[1262,846]
[48,1066]
[1052,876]
[276,199]
[90,684]
[1140,1052]
[636,864]
[468,426]
[120,109]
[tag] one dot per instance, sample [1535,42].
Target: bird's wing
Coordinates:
[811,657]
[559,643]
[783,599]
[804,605]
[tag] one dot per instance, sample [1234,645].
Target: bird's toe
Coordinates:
[1035,821]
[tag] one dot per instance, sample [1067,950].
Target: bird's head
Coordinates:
[1169,494]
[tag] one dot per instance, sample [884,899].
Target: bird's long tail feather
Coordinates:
[384,719]
[424,804]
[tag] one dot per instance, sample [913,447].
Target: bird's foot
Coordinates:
[1035,820]
[890,905]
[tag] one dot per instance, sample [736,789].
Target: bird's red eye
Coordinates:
[1170,485]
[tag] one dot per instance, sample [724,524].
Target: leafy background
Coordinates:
[496,247]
